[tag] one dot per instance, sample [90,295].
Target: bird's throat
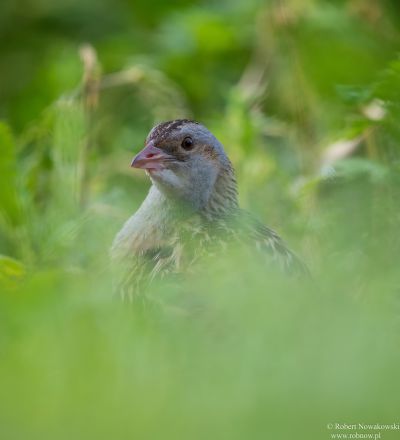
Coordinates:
[161,217]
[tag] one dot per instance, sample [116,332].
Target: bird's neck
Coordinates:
[223,199]
[162,209]
[159,217]
[147,228]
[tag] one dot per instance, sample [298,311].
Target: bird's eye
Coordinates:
[187,143]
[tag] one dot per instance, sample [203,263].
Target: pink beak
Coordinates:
[150,158]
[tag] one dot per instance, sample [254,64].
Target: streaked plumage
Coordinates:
[190,210]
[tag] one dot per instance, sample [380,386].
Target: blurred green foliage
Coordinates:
[305,97]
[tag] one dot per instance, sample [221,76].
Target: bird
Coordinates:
[191,210]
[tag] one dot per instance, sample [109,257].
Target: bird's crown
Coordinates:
[162,130]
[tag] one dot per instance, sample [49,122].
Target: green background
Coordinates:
[305,97]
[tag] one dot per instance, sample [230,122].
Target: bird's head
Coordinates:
[186,162]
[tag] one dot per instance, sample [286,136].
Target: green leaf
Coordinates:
[11,270]
[8,175]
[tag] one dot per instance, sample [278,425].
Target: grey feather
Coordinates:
[191,205]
